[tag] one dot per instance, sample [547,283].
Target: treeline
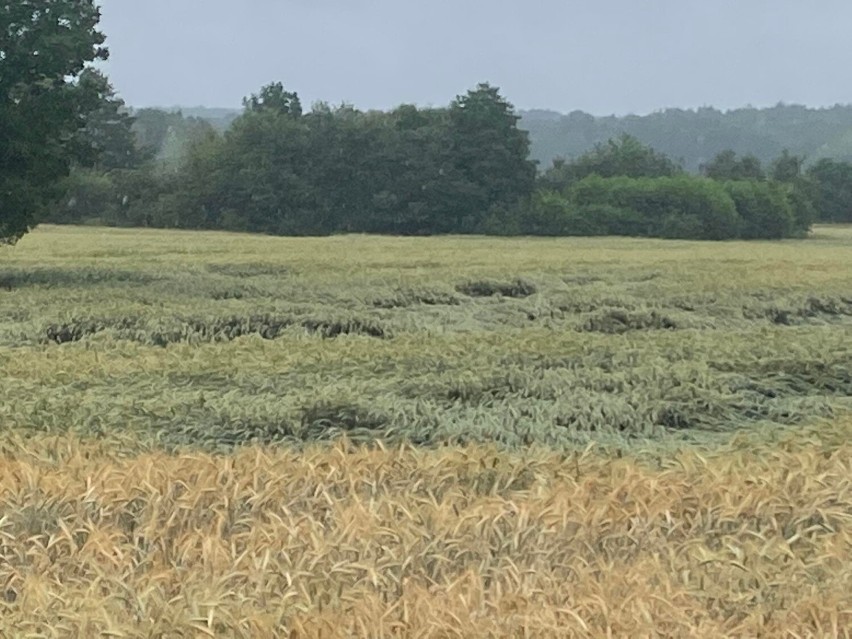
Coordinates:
[695,136]
[280,170]
[692,136]
[465,168]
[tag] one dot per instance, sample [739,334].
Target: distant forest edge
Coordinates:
[694,137]
[690,136]
[475,166]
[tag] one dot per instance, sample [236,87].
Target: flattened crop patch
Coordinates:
[618,321]
[518,288]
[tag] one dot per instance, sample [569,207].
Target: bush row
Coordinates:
[680,207]
[461,169]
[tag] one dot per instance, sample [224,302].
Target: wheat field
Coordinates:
[751,540]
[210,434]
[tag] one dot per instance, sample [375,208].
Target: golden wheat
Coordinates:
[748,540]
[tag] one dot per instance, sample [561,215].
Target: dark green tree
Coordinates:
[624,156]
[833,187]
[488,162]
[259,173]
[107,140]
[273,97]
[45,46]
[801,190]
[787,167]
[415,200]
[727,166]
[349,159]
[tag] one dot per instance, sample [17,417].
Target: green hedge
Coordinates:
[680,207]
[764,208]
[683,207]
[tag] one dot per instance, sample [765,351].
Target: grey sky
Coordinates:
[601,56]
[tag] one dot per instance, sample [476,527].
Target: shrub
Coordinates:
[764,208]
[551,214]
[505,221]
[679,207]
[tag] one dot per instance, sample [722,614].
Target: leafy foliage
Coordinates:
[624,156]
[691,208]
[833,186]
[410,171]
[107,141]
[763,207]
[488,157]
[787,167]
[274,98]
[44,46]
[456,170]
[678,207]
[727,166]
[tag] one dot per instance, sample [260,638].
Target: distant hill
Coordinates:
[692,137]
[695,136]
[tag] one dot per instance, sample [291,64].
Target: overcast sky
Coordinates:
[601,56]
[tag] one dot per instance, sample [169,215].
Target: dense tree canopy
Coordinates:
[274,98]
[624,156]
[787,167]
[833,181]
[45,95]
[489,156]
[107,140]
[727,166]
[280,170]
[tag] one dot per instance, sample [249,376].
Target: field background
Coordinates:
[568,436]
